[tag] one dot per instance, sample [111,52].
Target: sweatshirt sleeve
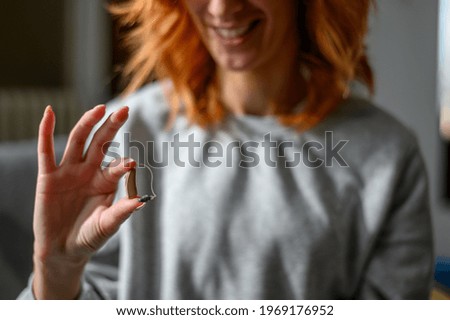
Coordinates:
[400,265]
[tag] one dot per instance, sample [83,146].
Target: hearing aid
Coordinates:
[130,186]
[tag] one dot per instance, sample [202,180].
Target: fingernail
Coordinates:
[100,106]
[129,163]
[140,207]
[48,109]
[119,116]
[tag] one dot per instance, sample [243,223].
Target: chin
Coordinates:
[236,64]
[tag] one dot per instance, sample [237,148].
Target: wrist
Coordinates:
[57,279]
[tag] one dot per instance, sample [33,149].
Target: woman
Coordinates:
[322,196]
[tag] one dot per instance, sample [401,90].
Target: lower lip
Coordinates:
[234,42]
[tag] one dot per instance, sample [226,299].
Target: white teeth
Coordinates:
[232,33]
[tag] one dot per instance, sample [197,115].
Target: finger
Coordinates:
[79,134]
[117,169]
[46,150]
[114,216]
[104,135]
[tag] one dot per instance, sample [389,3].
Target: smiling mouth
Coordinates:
[236,33]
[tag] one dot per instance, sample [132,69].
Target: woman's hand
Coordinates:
[74,215]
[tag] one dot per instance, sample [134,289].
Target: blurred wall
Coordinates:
[54,52]
[89,51]
[31,43]
[403,45]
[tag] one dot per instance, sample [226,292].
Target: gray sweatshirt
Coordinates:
[256,210]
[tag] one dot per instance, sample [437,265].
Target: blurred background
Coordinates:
[66,53]
[53,51]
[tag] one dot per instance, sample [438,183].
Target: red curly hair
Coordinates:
[161,37]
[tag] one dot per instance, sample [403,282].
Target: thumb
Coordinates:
[118,213]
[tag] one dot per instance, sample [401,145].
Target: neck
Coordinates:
[260,90]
